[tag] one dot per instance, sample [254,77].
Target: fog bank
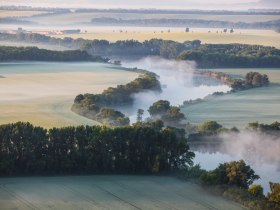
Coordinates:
[178,80]
[260,151]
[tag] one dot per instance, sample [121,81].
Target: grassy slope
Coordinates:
[238,109]
[45,99]
[107,192]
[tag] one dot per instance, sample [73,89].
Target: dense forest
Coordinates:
[139,149]
[206,55]
[233,56]
[36,54]
[99,107]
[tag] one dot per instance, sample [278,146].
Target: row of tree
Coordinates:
[232,56]
[139,149]
[101,107]
[173,22]
[36,54]
[206,55]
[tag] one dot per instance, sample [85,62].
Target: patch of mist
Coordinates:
[256,148]
[260,151]
[178,80]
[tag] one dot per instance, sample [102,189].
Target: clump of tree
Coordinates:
[210,127]
[170,115]
[233,180]
[235,173]
[140,149]
[252,80]
[256,126]
[92,105]
[112,117]
[36,54]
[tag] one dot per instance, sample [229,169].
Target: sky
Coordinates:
[159,4]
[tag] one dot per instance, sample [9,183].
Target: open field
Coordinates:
[43,93]
[76,17]
[259,37]
[19,13]
[107,192]
[238,109]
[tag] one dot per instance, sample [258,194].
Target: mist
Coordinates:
[179,83]
[256,148]
[260,151]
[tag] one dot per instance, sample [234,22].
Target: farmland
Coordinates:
[107,192]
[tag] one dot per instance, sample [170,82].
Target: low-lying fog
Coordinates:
[260,151]
[179,83]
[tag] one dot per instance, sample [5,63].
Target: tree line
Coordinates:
[179,22]
[36,54]
[139,149]
[205,55]
[100,107]
[233,56]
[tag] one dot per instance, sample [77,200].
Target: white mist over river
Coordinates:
[260,151]
[179,82]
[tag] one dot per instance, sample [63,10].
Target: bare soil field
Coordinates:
[107,192]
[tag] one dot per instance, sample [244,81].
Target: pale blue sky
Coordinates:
[160,4]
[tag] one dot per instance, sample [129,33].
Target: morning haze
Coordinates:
[119,104]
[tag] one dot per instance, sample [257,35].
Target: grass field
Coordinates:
[259,37]
[19,13]
[107,192]
[73,18]
[43,93]
[238,109]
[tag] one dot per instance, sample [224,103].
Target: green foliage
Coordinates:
[29,150]
[170,115]
[264,127]
[140,113]
[159,108]
[256,190]
[209,127]
[252,80]
[91,105]
[36,54]
[112,117]
[274,195]
[206,55]
[235,173]
[232,56]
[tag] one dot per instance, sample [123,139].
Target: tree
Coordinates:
[159,108]
[240,174]
[232,173]
[256,190]
[173,116]
[209,127]
[140,113]
[274,195]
